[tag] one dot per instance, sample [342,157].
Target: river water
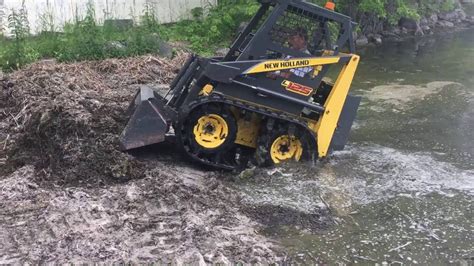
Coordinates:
[403,190]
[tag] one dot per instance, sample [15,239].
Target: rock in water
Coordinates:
[247,173]
[362,40]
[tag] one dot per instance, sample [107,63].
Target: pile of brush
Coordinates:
[65,119]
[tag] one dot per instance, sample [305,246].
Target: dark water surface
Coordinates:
[403,190]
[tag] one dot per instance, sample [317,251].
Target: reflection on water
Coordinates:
[419,61]
[403,189]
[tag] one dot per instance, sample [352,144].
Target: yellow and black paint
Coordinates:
[284,64]
[325,127]
[210,131]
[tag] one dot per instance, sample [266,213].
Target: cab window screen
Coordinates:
[320,32]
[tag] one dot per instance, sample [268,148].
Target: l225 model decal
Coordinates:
[297,88]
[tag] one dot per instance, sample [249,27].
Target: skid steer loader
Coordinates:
[267,100]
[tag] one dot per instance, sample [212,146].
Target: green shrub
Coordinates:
[18,52]
[82,40]
[145,37]
[447,5]
[216,29]
[373,6]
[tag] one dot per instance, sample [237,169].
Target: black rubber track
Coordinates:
[226,160]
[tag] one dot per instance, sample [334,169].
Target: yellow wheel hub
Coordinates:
[211,131]
[286,148]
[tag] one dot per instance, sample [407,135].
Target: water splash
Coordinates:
[360,175]
[377,173]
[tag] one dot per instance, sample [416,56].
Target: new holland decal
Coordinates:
[297,88]
[274,65]
[286,64]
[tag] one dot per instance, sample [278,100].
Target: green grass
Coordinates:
[82,39]
[3,45]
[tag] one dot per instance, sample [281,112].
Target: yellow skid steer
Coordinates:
[267,100]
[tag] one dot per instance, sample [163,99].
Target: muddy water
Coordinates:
[403,190]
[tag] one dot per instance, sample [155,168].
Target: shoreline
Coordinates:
[438,23]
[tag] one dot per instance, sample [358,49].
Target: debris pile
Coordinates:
[65,119]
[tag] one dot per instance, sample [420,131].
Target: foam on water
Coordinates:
[379,173]
[284,189]
[362,174]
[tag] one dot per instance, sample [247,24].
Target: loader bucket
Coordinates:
[147,123]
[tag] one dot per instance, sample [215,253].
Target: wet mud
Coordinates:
[172,215]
